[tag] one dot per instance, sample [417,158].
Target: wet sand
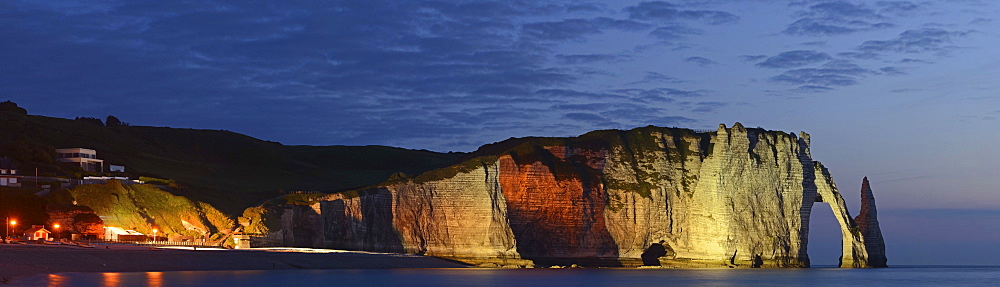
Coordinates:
[18,262]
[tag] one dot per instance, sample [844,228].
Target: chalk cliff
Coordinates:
[868,225]
[732,197]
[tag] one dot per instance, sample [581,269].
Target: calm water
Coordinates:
[899,276]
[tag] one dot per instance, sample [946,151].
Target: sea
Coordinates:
[896,276]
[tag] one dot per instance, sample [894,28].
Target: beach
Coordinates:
[18,262]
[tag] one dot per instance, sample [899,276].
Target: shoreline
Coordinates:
[21,262]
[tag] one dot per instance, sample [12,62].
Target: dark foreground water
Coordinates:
[899,276]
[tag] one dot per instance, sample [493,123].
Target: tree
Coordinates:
[112,121]
[95,121]
[8,106]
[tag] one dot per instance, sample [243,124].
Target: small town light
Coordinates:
[154,234]
[7,230]
[56,226]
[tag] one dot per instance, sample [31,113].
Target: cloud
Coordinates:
[897,7]
[674,21]
[893,71]
[656,77]
[812,89]
[586,117]
[584,7]
[426,74]
[706,107]
[914,61]
[793,59]
[752,58]
[660,95]
[667,12]
[588,58]
[570,29]
[576,95]
[370,72]
[981,21]
[670,120]
[841,9]
[914,41]
[636,111]
[700,61]
[580,107]
[836,18]
[674,32]
[867,55]
[833,73]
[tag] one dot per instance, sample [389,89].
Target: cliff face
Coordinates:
[75,220]
[735,196]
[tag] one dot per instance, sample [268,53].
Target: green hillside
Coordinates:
[228,170]
[144,207]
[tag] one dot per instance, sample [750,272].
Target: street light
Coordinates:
[154,234]
[56,228]
[9,223]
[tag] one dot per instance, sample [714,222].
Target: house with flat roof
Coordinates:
[8,173]
[121,234]
[82,157]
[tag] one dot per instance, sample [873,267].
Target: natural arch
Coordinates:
[853,252]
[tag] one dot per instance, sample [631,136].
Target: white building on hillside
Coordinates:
[8,173]
[84,158]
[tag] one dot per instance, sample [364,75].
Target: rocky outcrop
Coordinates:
[74,219]
[736,196]
[868,225]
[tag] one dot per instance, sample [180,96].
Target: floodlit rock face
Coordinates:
[868,225]
[736,196]
[75,220]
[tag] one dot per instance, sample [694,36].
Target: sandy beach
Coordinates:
[18,262]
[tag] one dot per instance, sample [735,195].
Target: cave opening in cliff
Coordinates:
[824,236]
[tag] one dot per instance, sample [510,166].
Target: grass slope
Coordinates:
[143,207]
[228,170]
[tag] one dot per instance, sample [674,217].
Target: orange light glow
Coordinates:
[56,226]
[154,279]
[13,222]
[111,279]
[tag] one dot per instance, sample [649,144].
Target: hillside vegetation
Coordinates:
[144,207]
[228,170]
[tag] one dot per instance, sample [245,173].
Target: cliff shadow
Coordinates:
[373,231]
[556,211]
[810,193]
[306,227]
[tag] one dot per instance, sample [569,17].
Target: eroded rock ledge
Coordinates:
[734,197]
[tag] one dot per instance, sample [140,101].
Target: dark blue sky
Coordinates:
[900,91]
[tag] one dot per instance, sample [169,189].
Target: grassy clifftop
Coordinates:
[228,170]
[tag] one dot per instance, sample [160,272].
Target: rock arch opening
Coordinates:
[824,245]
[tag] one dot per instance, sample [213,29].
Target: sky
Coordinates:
[899,91]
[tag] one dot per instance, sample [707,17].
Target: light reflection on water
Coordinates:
[154,279]
[923,276]
[112,279]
